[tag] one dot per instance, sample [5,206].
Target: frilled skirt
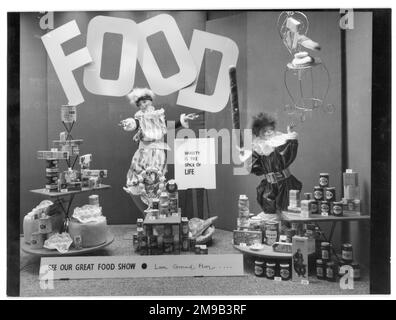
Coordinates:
[274,198]
[142,160]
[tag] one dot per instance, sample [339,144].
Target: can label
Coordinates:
[337,210]
[324,207]
[325,254]
[270,272]
[271,232]
[284,273]
[318,194]
[324,181]
[347,255]
[258,271]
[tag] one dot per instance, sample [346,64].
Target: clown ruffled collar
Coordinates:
[266,146]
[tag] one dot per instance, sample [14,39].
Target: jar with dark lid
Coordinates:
[324,207]
[356,270]
[325,251]
[330,194]
[259,268]
[284,271]
[318,193]
[337,208]
[331,272]
[320,269]
[324,179]
[270,270]
[347,252]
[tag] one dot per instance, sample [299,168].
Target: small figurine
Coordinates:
[272,154]
[146,175]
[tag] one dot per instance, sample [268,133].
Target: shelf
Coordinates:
[46,193]
[348,216]
[72,252]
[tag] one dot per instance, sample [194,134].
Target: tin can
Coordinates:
[270,270]
[68,114]
[284,271]
[37,240]
[197,249]
[325,251]
[337,209]
[155,204]
[77,241]
[173,205]
[314,207]
[143,242]
[185,244]
[331,273]
[271,232]
[347,252]
[324,208]
[259,268]
[330,194]
[45,225]
[324,180]
[318,193]
[356,270]
[308,196]
[94,200]
[320,269]
[203,249]
[184,226]
[139,223]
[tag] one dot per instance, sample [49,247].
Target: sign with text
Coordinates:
[195,163]
[141,266]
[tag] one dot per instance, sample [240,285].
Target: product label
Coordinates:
[329,195]
[347,255]
[325,254]
[271,237]
[258,270]
[325,207]
[337,210]
[270,272]
[329,273]
[284,273]
[314,208]
[318,195]
[323,181]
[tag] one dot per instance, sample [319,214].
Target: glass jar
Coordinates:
[325,251]
[270,270]
[259,269]
[331,272]
[284,271]
[347,252]
[320,269]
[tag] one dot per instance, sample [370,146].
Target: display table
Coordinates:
[180,286]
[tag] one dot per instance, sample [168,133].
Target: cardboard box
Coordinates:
[302,248]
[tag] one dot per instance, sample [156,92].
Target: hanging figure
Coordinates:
[272,154]
[146,175]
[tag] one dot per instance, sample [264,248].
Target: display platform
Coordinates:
[43,192]
[248,284]
[348,216]
[266,252]
[72,252]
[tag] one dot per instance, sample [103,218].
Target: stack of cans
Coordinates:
[51,174]
[243,212]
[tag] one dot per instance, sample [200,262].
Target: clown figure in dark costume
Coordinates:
[272,154]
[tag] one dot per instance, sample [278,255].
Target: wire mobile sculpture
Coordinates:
[306,78]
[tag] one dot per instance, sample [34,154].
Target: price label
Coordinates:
[278,279]
[304,282]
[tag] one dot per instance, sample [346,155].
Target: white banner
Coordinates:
[53,268]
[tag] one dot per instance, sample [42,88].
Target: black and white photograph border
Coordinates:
[204,152]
